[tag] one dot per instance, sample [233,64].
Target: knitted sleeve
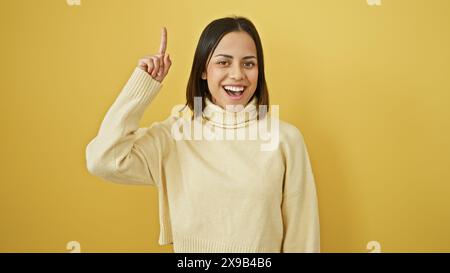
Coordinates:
[299,206]
[122,152]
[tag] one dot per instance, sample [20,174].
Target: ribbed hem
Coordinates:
[141,87]
[197,245]
[165,232]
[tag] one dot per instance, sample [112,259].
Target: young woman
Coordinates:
[216,194]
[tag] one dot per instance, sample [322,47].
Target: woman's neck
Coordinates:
[230,117]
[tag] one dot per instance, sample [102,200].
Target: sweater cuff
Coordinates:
[142,87]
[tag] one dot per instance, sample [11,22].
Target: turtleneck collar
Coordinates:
[217,116]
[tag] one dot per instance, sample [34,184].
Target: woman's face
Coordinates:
[233,67]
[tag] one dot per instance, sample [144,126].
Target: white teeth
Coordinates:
[234,88]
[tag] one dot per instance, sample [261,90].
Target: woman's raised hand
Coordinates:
[157,65]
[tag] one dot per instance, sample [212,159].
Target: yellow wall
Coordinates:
[367,85]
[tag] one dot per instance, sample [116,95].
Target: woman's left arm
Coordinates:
[299,207]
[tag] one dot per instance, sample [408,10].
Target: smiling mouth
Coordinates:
[236,93]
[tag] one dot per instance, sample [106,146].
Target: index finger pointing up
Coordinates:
[162,47]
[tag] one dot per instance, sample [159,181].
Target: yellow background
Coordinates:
[367,85]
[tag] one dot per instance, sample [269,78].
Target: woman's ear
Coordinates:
[204,75]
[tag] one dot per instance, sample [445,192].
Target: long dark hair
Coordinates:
[209,39]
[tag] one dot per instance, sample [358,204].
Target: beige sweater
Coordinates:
[215,195]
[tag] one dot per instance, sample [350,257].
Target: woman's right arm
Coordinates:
[122,152]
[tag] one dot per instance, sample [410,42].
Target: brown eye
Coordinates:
[249,65]
[222,62]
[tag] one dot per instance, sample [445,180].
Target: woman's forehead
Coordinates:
[236,44]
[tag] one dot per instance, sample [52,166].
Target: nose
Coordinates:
[236,72]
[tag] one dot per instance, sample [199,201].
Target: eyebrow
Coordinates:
[231,57]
